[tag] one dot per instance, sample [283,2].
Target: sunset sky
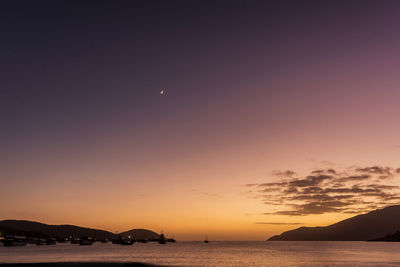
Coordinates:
[276,114]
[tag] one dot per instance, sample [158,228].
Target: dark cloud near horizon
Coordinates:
[278,223]
[355,190]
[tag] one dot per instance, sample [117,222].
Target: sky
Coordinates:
[276,114]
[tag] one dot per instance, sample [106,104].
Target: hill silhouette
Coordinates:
[389,238]
[141,234]
[372,225]
[37,229]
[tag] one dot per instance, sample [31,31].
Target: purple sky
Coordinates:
[251,87]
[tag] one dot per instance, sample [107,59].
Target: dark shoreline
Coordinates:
[80,264]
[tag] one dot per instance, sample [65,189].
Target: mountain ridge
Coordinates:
[362,227]
[38,229]
[141,234]
[389,238]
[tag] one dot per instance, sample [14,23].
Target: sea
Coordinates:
[262,253]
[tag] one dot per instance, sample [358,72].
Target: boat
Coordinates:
[162,241]
[171,240]
[62,240]
[50,241]
[127,242]
[32,240]
[75,240]
[124,241]
[14,241]
[86,241]
[40,242]
[206,240]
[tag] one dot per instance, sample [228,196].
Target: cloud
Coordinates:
[327,163]
[314,208]
[354,178]
[272,184]
[310,180]
[320,171]
[376,170]
[354,190]
[206,194]
[287,173]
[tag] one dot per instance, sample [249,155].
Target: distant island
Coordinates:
[376,225]
[60,232]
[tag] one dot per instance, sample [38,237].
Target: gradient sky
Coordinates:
[253,88]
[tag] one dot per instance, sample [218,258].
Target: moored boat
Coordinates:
[40,242]
[162,239]
[86,241]
[124,241]
[127,242]
[50,241]
[75,240]
[171,240]
[206,240]
[14,241]
[62,240]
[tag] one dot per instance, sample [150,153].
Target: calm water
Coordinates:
[216,253]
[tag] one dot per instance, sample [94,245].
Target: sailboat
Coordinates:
[206,240]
